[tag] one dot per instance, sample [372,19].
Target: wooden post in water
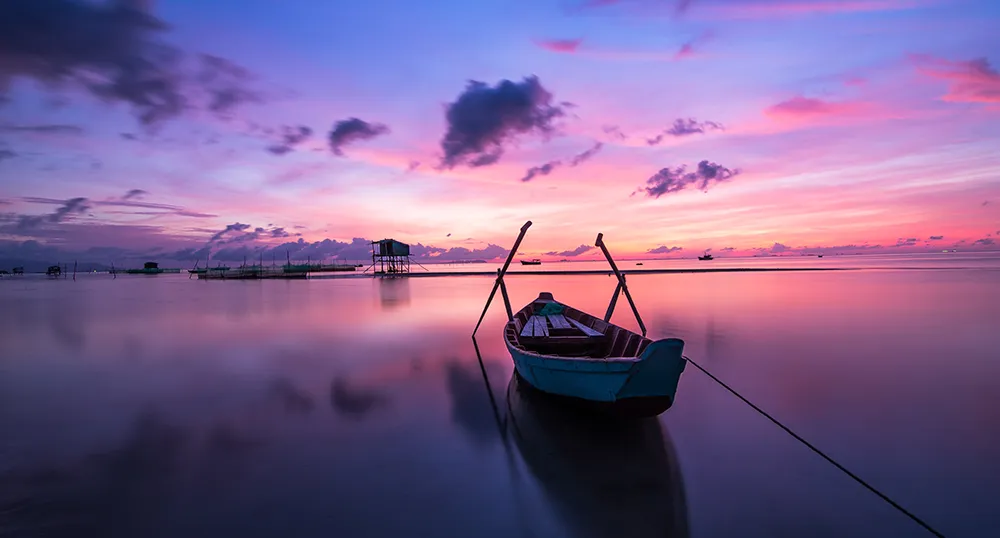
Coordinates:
[74,270]
[500,274]
[621,283]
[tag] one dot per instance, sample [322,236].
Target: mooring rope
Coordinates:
[799,438]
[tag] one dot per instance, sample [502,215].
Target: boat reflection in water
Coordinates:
[603,477]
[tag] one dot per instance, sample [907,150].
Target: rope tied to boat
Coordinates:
[822,454]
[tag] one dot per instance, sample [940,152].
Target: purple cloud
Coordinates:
[43,129]
[685,127]
[569,253]
[663,250]
[114,51]
[290,137]
[351,130]
[668,180]
[547,168]
[483,119]
[234,227]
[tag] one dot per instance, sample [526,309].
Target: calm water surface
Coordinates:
[162,406]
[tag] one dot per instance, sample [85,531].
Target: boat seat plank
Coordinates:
[586,330]
[528,329]
[559,322]
[541,327]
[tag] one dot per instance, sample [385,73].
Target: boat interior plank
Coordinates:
[559,322]
[586,330]
[541,326]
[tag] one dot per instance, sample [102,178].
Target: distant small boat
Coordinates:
[706,257]
[535,261]
[639,263]
[819,255]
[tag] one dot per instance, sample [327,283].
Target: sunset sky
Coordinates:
[169,129]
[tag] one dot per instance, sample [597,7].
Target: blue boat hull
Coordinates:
[640,385]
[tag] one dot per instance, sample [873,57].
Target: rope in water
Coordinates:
[799,438]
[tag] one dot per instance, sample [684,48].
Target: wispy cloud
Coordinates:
[571,253]
[969,81]
[685,127]
[290,138]
[560,45]
[663,249]
[43,129]
[547,168]
[671,180]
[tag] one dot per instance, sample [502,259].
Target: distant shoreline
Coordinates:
[629,272]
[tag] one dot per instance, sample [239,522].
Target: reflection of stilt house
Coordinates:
[390,257]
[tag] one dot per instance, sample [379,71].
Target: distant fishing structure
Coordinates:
[392,258]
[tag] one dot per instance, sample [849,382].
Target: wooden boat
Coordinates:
[563,351]
[706,257]
[566,352]
[535,261]
[602,477]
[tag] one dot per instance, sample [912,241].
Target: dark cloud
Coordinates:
[778,248]
[668,181]
[542,170]
[352,130]
[985,203]
[685,127]
[936,238]
[279,232]
[73,206]
[225,83]
[290,137]
[134,193]
[663,250]
[129,136]
[575,252]
[6,154]
[728,249]
[412,166]
[908,242]
[113,50]
[548,167]
[614,131]
[483,119]
[43,129]
[129,201]
[586,155]
[986,241]
[234,227]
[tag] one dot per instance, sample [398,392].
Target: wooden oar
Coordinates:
[503,270]
[621,283]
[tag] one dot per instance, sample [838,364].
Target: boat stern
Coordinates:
[657,374]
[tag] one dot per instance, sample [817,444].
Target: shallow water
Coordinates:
[162,406]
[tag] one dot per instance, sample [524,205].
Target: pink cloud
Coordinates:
[686,51]
[799,8]
[970,81]
[801,108]
[567,46]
